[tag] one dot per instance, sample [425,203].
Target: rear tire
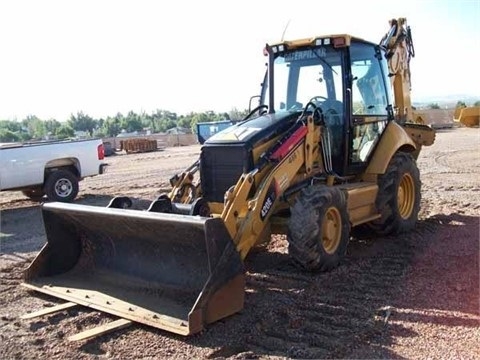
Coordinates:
[398,198]
[61,185]
[319,228]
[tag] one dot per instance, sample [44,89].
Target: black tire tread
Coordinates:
[305,226]
[391,222]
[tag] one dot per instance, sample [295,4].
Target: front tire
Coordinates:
[398,199]
[319,228]
[61,185]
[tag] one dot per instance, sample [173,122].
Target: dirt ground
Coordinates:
[413,296]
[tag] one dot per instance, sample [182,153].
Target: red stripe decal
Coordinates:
[288,145]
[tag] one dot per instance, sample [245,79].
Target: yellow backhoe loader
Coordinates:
[325,151]
[468,116]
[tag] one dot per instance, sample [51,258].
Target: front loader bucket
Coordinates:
[173,272]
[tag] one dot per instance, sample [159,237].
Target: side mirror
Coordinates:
[250,102]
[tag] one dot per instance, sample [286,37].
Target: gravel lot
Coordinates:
[413,296]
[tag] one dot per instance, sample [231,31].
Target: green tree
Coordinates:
[476,103]
[35,127]
[64,131]
[51,126]
[82,122]
[8,136]
[100,132]
[111,126]
[461,104]
[198,118]
[434,106]
[13,126]
[161,120]
[236,114]
[166,124]
[100,123]
[185,122]
[132,122]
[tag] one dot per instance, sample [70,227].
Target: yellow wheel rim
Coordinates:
[331,230]
[406,196]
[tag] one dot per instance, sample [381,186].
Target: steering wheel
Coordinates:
[318,99]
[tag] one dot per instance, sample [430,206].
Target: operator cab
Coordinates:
[347,79]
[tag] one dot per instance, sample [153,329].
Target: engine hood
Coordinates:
[251,131]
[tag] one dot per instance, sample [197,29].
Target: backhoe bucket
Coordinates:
[173,272]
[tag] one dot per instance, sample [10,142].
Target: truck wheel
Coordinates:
[319,228]
[34,194]
[398,198]
[61,185]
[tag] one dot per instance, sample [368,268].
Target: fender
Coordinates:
[393,139]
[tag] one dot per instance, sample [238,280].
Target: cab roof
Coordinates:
[338,40]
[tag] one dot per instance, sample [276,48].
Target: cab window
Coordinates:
[369,91]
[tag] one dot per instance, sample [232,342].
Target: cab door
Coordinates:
[370,103]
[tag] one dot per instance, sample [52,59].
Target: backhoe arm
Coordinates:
[398,45]
[399,50]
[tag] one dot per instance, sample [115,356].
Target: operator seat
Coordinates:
[334,121]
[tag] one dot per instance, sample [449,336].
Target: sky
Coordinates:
[102,57]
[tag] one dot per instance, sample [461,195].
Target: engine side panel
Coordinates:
[221,166]
[228,154]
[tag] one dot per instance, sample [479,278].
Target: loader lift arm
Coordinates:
[245,218]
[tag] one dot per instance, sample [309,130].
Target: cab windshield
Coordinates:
[301,76]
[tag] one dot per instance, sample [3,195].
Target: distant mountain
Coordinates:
[445,100]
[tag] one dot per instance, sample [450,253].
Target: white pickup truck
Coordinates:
[50,168]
